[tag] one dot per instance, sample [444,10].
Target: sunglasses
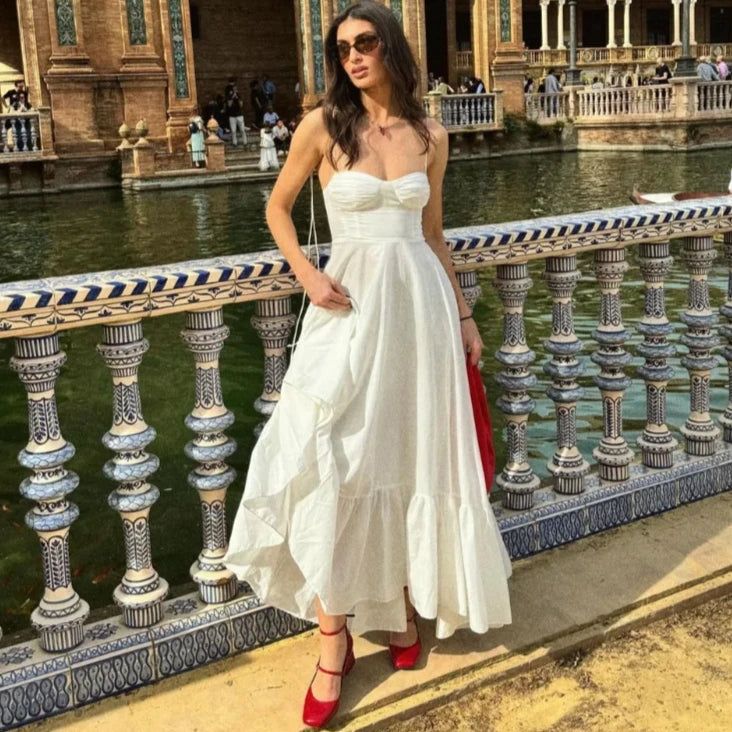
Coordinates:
[365,43]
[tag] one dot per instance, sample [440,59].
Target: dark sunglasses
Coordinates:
[365,43]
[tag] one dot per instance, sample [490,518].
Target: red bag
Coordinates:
[482,418]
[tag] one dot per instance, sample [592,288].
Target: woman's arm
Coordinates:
[435,236]
[306,146]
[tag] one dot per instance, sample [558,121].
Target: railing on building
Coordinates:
[36,313]
[713,97]
[464,60]
[551,107]
[20,133]
[466,112]
[637,101]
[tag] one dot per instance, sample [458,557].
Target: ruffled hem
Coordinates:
[299,537]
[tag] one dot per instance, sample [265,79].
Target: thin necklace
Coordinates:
[384,128]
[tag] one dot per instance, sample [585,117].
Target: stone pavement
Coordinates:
[572,596]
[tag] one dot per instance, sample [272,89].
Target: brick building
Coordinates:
[92,64]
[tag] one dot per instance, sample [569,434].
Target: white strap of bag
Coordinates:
[312,232]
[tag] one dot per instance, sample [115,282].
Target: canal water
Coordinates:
[106,229]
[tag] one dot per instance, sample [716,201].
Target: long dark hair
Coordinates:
[343,110]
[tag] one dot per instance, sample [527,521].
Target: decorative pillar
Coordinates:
[692,22]
[468,281]
[273,320]
[699,430]
[726,311]
[506,52]
[204,335]
[677,22]
[451,42]
[612,454]
[544,5]
[626,24]
[611,23]
[60,615]
[68,51]
[175,23]
[656,442]
[517,479]
[567,464]
[685,64]
[141,593]
[572,74]
[560,25]
[312,52]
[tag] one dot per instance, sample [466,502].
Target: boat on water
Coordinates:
[639,197]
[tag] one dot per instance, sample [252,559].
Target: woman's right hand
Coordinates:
[325,292]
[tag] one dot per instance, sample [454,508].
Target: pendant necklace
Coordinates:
[384,128]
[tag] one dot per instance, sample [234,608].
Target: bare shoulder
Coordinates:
[439,138]
[312,126]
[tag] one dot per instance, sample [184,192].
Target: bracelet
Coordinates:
[467,317]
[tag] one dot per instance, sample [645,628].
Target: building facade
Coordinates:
[93,65]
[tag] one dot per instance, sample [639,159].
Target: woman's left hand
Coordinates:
[472,342]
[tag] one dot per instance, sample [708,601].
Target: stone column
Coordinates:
[612,454]
[573,73]
[273,320]
[141,593]
[68,80]
[656,442]
[626,24]
[312,52]
[567,464]
[699,430]
[452,76]
[677,22]
[204,335]
[142,77]
[175,23]
[509,66]
[60,615]
[517,478]
[31,62]
[544,4]
[611,23]
[560,25]
[692,22]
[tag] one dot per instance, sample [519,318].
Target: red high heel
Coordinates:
[405,657]
[315,712]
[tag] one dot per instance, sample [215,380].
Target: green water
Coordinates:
[97,230]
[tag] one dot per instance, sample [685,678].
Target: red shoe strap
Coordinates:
[332,632]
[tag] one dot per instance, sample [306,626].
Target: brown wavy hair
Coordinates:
[343,110]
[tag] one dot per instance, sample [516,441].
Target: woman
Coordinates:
[365,496]
[267,152]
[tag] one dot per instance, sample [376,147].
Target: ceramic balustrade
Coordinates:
[36,313]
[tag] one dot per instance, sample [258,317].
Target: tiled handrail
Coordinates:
[635,475]
[60,303]
[460,110]
[546,105]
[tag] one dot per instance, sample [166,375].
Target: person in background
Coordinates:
[269,88]
[442,87]
[267,152]
[476,85]
[431,81]
[270,117]
[596,83]
[281,136]
[196,143]
[528,84]
[663,74]
[706,70]
[722,68]
[17,98]
[553,87]
[236,116]
[259,100]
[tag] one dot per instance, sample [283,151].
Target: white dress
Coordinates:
[267,152]
[367,475]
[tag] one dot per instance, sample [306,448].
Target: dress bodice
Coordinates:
[362,206]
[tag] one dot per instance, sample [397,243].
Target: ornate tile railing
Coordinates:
[72,662]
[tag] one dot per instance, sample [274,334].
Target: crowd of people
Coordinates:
[706,70]
[227,109]
[468,85]
[17,131]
